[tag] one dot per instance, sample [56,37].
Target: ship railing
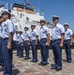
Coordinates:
[36,23]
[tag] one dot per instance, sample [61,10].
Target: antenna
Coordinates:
[42,12]
[11,6]
[7,5]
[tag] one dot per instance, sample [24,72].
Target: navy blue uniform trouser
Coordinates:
[44,51]
[34,50]
[57,51]
[27,48]
[47,51]
[67,50]
[17,47]
[1,58]
[20,50]
[7,58]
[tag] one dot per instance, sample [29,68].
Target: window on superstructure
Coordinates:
[20,27]
[20,15]
[27,19]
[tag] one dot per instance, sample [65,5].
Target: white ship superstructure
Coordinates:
[23,16]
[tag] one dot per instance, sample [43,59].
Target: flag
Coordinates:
[27,2]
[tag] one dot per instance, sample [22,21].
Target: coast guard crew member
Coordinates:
[21,44]
[57,43]
[44,42]
[34,42]
[68,42]
[17,40]
[1,20]
[7,36]
[27,42]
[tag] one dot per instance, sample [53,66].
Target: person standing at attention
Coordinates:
[44,42]
[57,43]
[68,42]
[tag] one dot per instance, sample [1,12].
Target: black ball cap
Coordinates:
[26,28]
[20,31]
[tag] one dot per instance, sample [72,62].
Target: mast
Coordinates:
[38,6]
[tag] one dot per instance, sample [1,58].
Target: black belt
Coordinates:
[33,40]
[5,38]
[26,40]
[67,40]
[43,38]
[17,41]
[55,40]
[0,38]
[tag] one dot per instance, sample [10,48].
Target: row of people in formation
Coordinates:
[61,35]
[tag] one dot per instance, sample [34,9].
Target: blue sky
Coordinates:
[62,8]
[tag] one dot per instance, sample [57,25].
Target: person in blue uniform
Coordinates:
[57,43]
[1,58]
[17,40]
[34,42]
[44,42]
[27,42]
[68,42]
[7,40]
[21,44]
